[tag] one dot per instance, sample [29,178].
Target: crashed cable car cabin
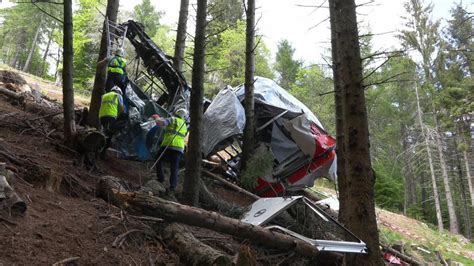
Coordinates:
[302,149]
[285,128]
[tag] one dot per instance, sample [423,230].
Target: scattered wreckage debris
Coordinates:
[303,151]
[145,204]
[264,210]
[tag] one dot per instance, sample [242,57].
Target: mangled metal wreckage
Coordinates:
[302,149]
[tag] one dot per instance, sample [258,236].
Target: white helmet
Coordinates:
[181,112]
[117,90]
[119,52]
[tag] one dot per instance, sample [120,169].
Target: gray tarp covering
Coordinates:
[224,118]
[268,92]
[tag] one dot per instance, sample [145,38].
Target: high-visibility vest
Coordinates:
[109,105]
[174,134]
[117,65]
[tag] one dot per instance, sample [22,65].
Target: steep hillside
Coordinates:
[65,221]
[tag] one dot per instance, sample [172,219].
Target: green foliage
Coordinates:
[223,15]
[310,84]
[19,24]
[146,14]
[86,42]
[416,212]
[227,61]
[389,191]
[285,65]
[260,164]
[164,39]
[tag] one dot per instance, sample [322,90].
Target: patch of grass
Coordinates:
[449,255]
[390,237]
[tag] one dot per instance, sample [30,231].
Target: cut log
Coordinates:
[105,186]
[178,238]
[230,185]
[11,94]
[90,140]
[174,212]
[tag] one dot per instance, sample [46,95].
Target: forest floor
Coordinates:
[69,223]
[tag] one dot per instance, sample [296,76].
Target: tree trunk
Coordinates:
[15,58]
[249,130]
[101,69]
[410,185]
[68,90]
[338,100]
[46,51]
[174,212]
[357,195]
[453,220]
[194,154]
[466,164]
[439,218]
[26,67]
[467,218]
[58,59]
[180,43]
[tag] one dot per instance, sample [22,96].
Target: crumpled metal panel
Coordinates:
[263,210]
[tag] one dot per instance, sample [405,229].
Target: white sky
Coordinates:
[283,19]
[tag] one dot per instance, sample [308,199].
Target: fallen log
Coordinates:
[210,202]
[178,238]
[104,189]
[402,256]
[230,185]
[11,94]
[174,212]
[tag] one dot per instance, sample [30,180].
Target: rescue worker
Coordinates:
[116,72]
[172,147]
[110,109]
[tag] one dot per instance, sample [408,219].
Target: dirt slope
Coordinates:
[59,224]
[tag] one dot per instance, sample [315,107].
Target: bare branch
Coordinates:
[319,23]
[388,80]
[51,16]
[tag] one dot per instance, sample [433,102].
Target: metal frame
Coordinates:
[265,209]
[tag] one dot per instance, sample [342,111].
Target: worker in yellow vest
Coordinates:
[116,72]
[110,108]
[172,147]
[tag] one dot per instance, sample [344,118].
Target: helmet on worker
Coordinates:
[117,90]
[119,52]
[181,112]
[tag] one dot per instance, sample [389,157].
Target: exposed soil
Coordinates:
[59,224]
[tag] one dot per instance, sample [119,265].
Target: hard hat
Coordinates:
[181,112]
[117,90]
[119,52]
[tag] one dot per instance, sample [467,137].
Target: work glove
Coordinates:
[155,116]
